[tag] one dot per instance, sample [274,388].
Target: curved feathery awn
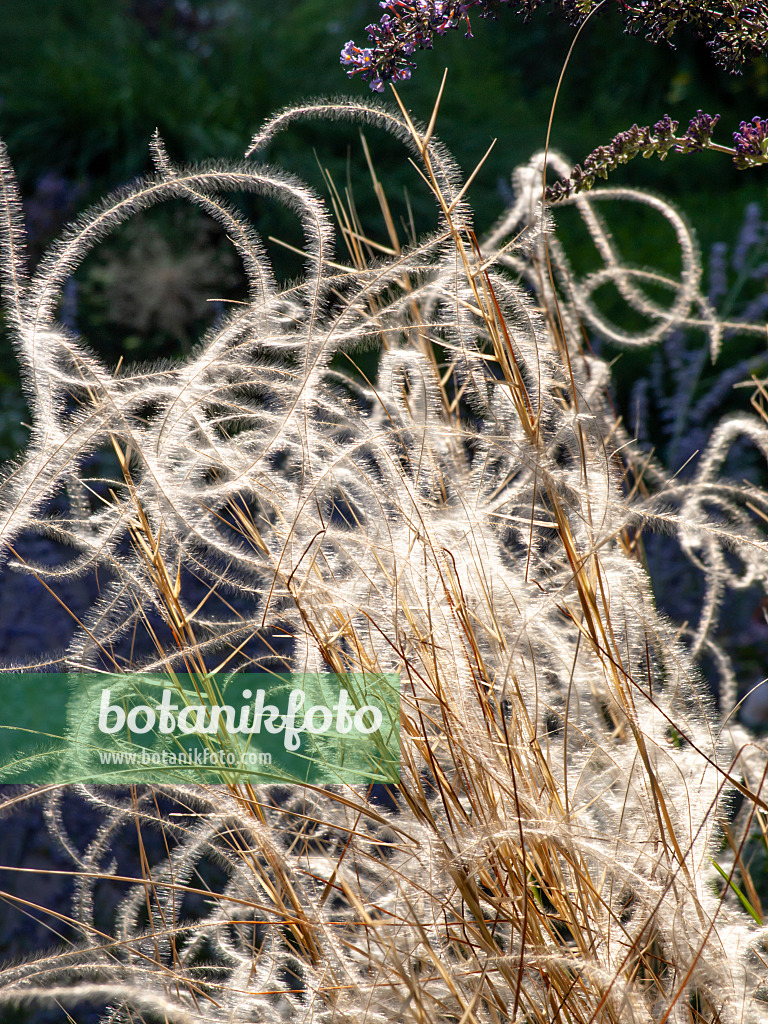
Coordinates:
[469,520]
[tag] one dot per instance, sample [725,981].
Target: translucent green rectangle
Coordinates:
[278,728]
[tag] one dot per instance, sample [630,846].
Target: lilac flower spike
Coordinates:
[636,141]
[751,149]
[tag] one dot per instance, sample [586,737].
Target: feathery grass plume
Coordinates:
[469,520]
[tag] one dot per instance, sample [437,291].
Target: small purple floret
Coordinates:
[407,26]
[751,143]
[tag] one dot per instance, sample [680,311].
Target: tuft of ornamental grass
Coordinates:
[566,840]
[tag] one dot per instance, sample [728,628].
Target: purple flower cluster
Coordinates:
[406,26]
[736,31]
[751,143]
[699,133]
[636,141]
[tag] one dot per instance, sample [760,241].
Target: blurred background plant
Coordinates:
[154,282]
